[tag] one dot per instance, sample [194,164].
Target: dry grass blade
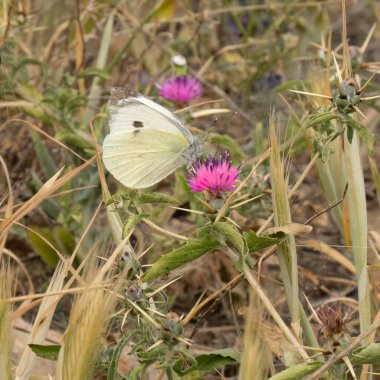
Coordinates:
[209,112]
[41,195]
[18,122]
[225,49]
[46,190]
[88,322]
[311,94]
[41,323]
[9,206]
[16,313]
[197,105]
[16,104]
[281,211]
[319,246]
[255,358]
[5,321]
[200,305]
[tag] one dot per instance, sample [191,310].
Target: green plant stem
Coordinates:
[357,209]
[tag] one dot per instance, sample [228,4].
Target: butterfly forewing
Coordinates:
[146,142]
[132,111]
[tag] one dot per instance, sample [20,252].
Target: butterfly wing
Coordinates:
[126,108]
[146,142]
[141,159]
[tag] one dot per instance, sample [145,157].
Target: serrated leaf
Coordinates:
[122,198]
[190,251]
[320,118]
[363,132]
[131,222]
[256,243]
[208,362]
[155,197]
[366,355]
[297,372]
[230,144]
[94,72]
[49,352]
[224,233]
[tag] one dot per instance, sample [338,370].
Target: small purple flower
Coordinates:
[180,89]
[213,175]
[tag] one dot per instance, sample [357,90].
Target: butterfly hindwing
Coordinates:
[142,158]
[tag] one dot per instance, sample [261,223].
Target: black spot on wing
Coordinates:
[138,124]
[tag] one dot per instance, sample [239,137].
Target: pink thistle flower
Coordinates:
[180,89]
[213,175]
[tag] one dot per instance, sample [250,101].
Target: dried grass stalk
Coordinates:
[42,323]
[5,322]
[88,322]
[255,358]
[287,254]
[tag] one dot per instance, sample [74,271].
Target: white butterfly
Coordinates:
[146,142]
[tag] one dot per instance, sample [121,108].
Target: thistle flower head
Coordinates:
[214,175]
[333,320]
[180,89]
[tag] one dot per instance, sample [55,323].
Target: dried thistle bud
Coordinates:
[134,292]
[333,319]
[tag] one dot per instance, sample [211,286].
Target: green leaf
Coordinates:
[58,237]
[320,118]
[112,369]
[50,206]
[224,233]
[363,132]
[325,153]
[190,251]
[50,351]
[366,355]
[44,158]
[131,222]
[230,144]
[72,139]
[136,373]
[297,372]
[122,200]
[155,197]
[256,243]
[350,133]
[29,61]
[208,362]
[94,72]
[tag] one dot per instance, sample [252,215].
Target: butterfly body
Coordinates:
[146,141]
